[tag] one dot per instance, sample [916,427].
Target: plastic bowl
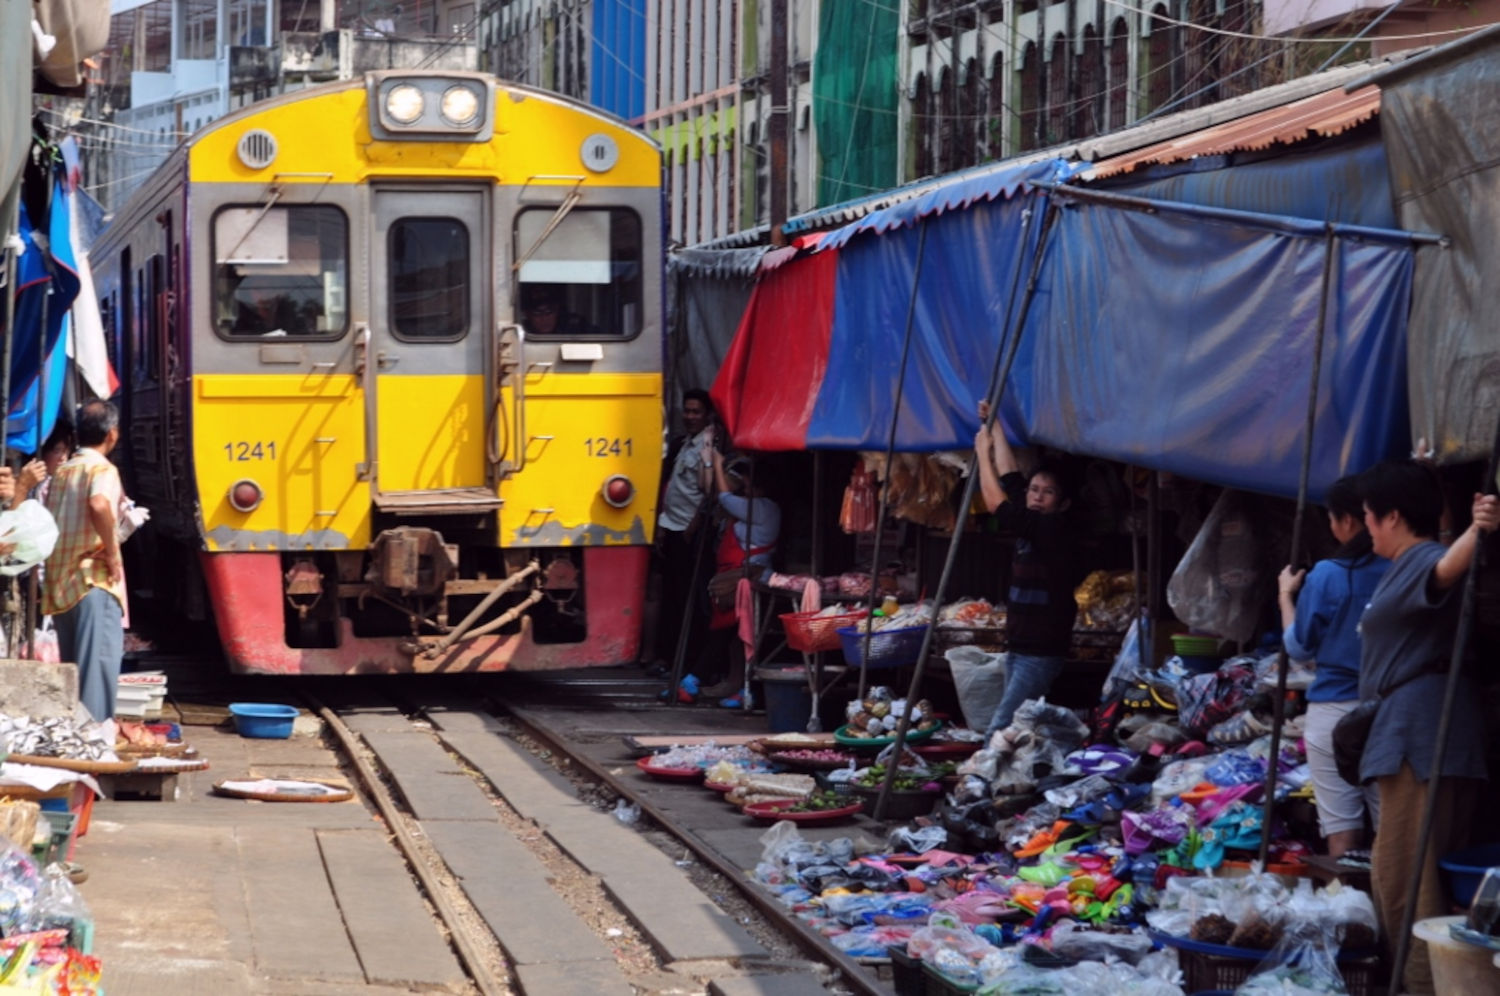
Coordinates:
[263,720]
[1199,663]
[1463,870]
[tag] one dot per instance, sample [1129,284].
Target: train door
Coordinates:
[423,361]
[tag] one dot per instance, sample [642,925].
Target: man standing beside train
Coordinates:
[688,472]
[84,578]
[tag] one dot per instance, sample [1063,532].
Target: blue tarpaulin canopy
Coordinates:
[1168,336]
[1185,343]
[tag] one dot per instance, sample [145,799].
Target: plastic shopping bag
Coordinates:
[33,533]
[979,679]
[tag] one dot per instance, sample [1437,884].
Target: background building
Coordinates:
[172,66]
[840,99]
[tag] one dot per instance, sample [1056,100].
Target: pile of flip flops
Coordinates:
[1054,830]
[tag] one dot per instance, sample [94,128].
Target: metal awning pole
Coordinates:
[815,679]
[1010,342]
[699,543]
[13,250]
[819,485]
[1141,627]
[745,571]
[1440,745]
[890,453]
[1268,803]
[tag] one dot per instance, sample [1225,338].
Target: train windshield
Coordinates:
[581,280]
[281,271]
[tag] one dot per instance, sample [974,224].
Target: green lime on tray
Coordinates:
[905,781]
[819,801]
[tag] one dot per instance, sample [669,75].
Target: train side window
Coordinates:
[429,278]
[582,280]
[128,284]
[282,271]
[145,324]
[158,305]
[109,320]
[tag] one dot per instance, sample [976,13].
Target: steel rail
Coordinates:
[859,977]
[473,961]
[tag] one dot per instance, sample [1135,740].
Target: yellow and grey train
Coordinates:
[391,358]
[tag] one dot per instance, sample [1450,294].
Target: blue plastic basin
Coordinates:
[263,720]
[1463,870]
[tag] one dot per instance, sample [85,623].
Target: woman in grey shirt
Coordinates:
[1406,635]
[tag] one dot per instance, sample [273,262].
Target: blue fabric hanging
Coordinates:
[48,282]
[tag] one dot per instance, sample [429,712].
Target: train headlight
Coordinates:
[408,105]
[618,491]
[460,105]
[404,104]
[245,495]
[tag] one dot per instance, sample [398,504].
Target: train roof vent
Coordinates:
[257,148]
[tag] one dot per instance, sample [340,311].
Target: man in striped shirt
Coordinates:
[84,580]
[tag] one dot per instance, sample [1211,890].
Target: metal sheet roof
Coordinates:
[1330,113]
[1095,149]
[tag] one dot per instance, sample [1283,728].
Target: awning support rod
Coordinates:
[1285,224]
[1273,761]
[999,375]
[890,453]
[1440,745]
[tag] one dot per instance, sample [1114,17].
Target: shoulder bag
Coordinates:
[1352,731]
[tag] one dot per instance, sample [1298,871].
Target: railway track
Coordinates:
[505,829]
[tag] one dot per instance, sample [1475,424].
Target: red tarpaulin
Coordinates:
[769,382]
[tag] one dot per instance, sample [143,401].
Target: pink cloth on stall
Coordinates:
[744,610]
[812,596]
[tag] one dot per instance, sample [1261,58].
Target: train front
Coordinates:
[426,378]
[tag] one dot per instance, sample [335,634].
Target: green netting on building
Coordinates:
[855,98]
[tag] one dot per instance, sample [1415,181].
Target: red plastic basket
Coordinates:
[812,633]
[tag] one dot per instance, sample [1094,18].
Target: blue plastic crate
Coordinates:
[888,647]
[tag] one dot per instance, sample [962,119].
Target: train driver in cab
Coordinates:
[543,312]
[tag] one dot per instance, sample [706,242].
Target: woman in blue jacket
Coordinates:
[1322,625]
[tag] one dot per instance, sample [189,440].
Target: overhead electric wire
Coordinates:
[1289,39]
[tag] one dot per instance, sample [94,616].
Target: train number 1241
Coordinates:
[245,451]
[601,447]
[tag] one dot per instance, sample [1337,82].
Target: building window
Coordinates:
[1119,72]
[1029,98]
[994,125]
[1057,93]
[921,126]
[1087,119]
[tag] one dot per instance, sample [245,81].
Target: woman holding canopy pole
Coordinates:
[1044,571]
[1407,633]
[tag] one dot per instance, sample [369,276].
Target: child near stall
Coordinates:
[751,529]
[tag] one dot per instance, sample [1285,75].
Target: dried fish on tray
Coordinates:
[61,736]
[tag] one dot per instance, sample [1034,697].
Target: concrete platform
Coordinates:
[241,898]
